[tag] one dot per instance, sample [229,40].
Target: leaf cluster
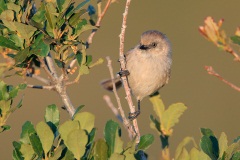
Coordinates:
[74,139]
[7,94]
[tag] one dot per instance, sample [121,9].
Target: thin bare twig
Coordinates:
[123,67]
[40,87]
[211,71]
[100,17]
[125,120]
[41,79]
[232,52]
[119,117]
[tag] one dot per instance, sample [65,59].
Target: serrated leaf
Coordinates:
[67,127]
[171,116]
[182,145]
[52,114]
[27,151]
[145,141]
[110,131]
[77,140]
[158,105]
[86,120]
[36,144]
[27,129]
[6,42]
[100,150]
[233,148]
[223,143]
[46,136]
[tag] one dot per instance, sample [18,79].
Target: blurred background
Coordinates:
[211,103]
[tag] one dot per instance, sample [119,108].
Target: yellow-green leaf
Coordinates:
[183,155]
[171,117]
[182,145]
[86,120]
[194,154]
[27,151]
[223,143]
[116,156]
[67,127]
[158,105]
[77,140]
[100,150]
[46,136]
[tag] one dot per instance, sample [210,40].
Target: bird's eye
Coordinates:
[154,44]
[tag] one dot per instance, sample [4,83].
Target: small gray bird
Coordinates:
[148,67]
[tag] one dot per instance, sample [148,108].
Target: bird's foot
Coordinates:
[133,115]
[123,73]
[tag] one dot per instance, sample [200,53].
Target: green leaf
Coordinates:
[78,110]
[145,141]
[67,127]
[42,49]
[79,57]
[22,86]
[209,146]
[100,150]
[154,124]
[236,156]
[39,18]
[82,4]
[17,155]
[52,114]
[235,39]
[183,144]
[91,136]
[46,136]
[75,18]
[117,156]
[27,151]
[36,144]
[158,105]
[171,116]
[85,28]
[77,140]
[63,4]
[207,132]
[24,31]
[5,128]
[59,63]
[51,19]
[27,129]
[110,131]
[6,42]
[89,60]
[3,6]
[86,120]
[22,55]
[223,143]
[19,103]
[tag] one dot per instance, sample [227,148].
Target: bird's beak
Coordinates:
[144,47]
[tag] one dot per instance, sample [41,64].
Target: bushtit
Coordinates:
[148,65]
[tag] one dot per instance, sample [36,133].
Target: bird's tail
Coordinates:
[108,85]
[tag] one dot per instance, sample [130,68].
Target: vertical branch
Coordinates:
[123,67]
[125,121]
